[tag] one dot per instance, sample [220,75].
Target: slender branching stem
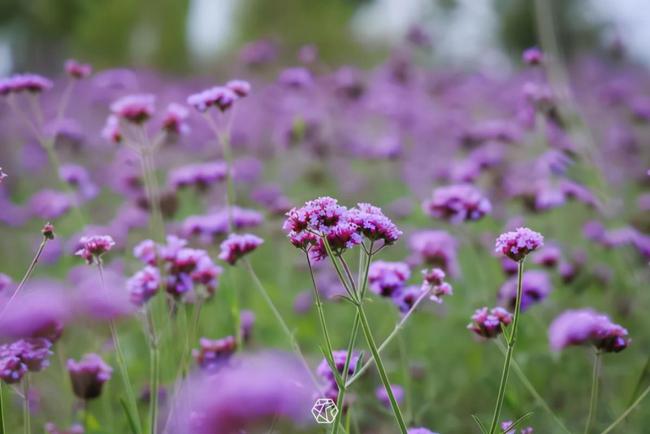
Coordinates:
[3,429]
[26,413]
[27,275]
[388,339]
[346,368]
[319,308]
[380,368]
[626,413]
[121,362]
[511,340]
[154,358]
[278,316]
[593,401]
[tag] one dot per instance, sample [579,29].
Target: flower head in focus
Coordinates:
[519,243]
[435,284]
[93,247]
[489,323]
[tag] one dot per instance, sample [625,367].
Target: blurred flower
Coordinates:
[382,395]
[587,327]
[78,178]
[50,204]
[76,69]
[134,108]
[385,278]
[549,256]
[23,355]
[434,283]
[435,248]
[406,297]
[221,97]
[32,83]
[240,87]
[174,120]
[506,427]
[236,246]
[48,231]
[2,175]
[93,247]
[201,175]
[297,77]
[532,56]
[88,376]
[214,353]
[489,323]
[325,372]
[111,131]
[246,323]
[419,431]
[518,244]
[143,285]
[457,203]
[5,282]
[50,428]
[535,286]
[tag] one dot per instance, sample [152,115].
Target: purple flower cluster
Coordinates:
[222,97]
[143,285]
[387,278]
[457,203]
[200,175]
[88,376]
[134,108]
[344,228]
[174,120]
[236,246]
[32,83]
[214,353]
[185,270]
[517,244]
[93,247]
[489,323]
[587,327]
[436,249]
[533,56]
[2,175]
[535,286]
[434,283]
[382,395]
[77,69]
[208,227]
[23,355]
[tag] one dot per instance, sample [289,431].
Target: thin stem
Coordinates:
[154,358]
[278,316]
[510,351]
[26,412]
[121,362]
[3,430]
[593,401]
[223,137]
[531,389]
[319,308]
[27,275]
[628,411]
[380,368]
[388,339]
[84,414]
[341,397]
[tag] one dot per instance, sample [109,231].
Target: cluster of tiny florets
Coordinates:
[236,246]
[457,203]
[434,283]
[587,327]
[88,375]
[93,247]
[19,83]
[222,97]
[488,323]
[519,243]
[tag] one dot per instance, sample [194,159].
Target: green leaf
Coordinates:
[129,416]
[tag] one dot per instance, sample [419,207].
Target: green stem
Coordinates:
[278,316]
[26,412]
[346,368]
[531,389]
[628,411]
[380,367]
[3,430]
[154,352]
[319,308]
[510,351]
[593,401]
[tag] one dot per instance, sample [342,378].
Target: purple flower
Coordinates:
[147,252]
[2,175]
[420,431]
[12,369]
[435,248]
[489,323]
[296,77]
[143,285]
[382,395]
[457,203]
[88,376]
[549,256]
[221,97]
[532,56]
[519,243]
[535,287]
[325,372]
[76,69]
[93,247]
[214,353]
[236,246]
[201,175]
[5,282]
[111,131]
[246,323]
[23,355]
[385,278]
[506,427]
[174,120]
[77,177]
[253,390]
[406,297]
[374,224]
[241,87]
[587,327]
[434,283]
[134,108]
[50,204]
[32,83]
